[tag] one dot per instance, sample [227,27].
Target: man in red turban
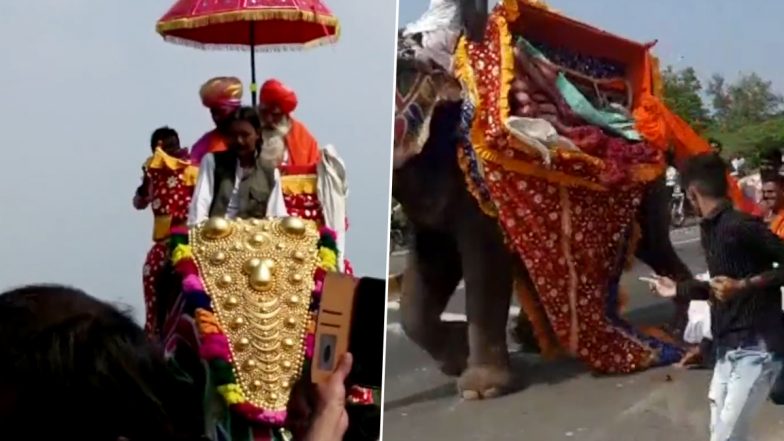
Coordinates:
[223,96]
[286,140]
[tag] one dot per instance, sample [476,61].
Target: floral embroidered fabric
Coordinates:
[570,230]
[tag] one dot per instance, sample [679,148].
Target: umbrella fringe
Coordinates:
[260,15]
[286,47]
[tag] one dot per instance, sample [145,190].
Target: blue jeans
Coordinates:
[742,380]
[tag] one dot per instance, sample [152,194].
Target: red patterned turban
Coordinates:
[276,94]
[222,93]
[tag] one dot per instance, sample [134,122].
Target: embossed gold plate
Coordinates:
[259,275]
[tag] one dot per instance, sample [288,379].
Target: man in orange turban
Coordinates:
[287,142]
[223,96]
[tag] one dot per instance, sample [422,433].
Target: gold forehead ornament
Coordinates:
[259,276]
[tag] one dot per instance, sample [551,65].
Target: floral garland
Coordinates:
[214,348]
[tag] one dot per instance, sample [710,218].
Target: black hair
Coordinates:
[771,175]
[707,173]
[249,115]
[75,367]
[770,158]
[162,134]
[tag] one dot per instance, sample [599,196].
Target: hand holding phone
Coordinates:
[661,286]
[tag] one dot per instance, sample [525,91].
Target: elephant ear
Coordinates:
[415,100]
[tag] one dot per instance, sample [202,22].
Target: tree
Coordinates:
[749,100]
[682,94]
[719,98]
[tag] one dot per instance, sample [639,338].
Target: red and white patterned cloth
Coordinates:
[171,182]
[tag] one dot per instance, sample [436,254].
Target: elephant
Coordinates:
[456,240]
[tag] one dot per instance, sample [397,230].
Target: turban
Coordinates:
[222,93]
[275,94]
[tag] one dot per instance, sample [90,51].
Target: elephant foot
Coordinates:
[453,357]
[454,367]
[482,382]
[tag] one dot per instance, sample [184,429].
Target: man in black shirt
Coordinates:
[745,298]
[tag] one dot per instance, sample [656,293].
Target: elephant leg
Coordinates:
[487,271]
[432,274]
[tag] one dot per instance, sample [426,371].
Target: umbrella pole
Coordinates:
[253,85]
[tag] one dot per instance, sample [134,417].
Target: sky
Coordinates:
[84,84]
[713,36]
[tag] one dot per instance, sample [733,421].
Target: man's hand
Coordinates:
[724,288]
[662,286]
[331,420]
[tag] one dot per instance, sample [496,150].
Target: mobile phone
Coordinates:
[351,319]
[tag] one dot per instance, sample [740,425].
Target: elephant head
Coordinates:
[422,82]
[424,69]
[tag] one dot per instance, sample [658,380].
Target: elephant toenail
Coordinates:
[492,392]
[470,395]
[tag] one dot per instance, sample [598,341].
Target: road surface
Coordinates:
[561,400]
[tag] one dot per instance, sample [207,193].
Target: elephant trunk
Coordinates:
[475,14]
[655,247]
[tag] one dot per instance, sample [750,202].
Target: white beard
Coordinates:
[273,149]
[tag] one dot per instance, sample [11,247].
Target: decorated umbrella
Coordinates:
[255,25]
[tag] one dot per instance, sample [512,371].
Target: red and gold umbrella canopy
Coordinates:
[275,24]
[255,25]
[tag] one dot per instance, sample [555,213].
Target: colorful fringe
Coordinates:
[470,164]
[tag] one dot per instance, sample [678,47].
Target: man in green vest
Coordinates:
[235,183]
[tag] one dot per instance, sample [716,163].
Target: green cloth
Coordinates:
[614,121]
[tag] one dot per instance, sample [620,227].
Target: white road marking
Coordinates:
[394,305]
[686,241]
[397,328]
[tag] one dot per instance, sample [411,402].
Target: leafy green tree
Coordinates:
[749,100]
[682,94]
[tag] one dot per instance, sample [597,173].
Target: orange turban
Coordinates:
[222,93]
[276,94]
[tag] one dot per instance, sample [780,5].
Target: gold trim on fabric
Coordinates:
[160,160]
[656,77]
[634,240]
[549,346]
[161,227]
[507,68]
[465,73]
[566,245]
[511,8]
[299,184]
[259,275]
[487,206]
[527,168]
